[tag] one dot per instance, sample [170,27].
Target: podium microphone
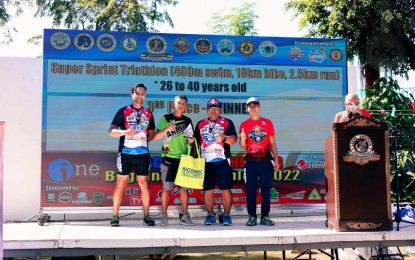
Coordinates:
[356,114]
[350,116]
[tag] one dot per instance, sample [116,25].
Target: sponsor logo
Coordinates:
[225,47]
[51,197]
[203,46]
[98,197]
[336,55]
[129,43]
[295,195]
[274,194]
[302,164]
[361,150]
[60,40]
[60,170]
[295,54]
[65,197]
[176,190]
[82,198]
[314,195]
[246,48]
[106,42]
[267,48]
[156,49]
[84,41]
[181,45]
[318,55]
[135,201]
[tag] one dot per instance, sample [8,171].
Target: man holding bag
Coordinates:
[215,134]
[176,129]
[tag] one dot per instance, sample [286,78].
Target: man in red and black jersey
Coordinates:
[261,159]
[134,125]
[215,134]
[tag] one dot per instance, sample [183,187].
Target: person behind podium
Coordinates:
[351,102]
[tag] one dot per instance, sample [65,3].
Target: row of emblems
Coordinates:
[157,47]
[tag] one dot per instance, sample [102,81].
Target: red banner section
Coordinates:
[88,179]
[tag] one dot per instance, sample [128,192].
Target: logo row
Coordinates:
[157,47]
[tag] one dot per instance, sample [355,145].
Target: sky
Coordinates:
[189,17]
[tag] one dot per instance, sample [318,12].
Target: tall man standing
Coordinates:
[257,137]
[215,134]
[172,127]
[134,125]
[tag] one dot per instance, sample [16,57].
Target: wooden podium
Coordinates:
[358,176]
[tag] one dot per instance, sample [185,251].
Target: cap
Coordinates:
[252,100]
[214,102]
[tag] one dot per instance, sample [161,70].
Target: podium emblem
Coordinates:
[361,150]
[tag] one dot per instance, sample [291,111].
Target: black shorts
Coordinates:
[218,173]
[140,163]
[169,169]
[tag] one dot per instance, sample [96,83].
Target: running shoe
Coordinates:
[227,220]
[210,219]
[148,221]
[266,221]
[164,220]
[115,221]
[185,220]
[251,221]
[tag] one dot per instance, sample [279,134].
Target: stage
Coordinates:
[295,229]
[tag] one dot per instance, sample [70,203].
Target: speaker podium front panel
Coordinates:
[358,176]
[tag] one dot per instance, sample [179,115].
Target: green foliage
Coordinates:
[390,104]
[106,15]
[8,10]
[359,22]
[239,21]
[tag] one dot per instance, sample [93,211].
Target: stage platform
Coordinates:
[294,229]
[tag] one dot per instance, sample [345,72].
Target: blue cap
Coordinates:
[214,102]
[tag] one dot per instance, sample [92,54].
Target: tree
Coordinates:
[8,9]
[390,104]
[364,24]
[106,15]
[239,21]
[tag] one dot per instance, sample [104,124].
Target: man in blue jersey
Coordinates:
[134,125]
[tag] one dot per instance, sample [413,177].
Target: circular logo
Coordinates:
[203,46]
[60,40]
[225,47]
[361,144]
[386,51]
[181,45]
[302,164]
[295,54]
[129,43]
[106,42]
[336,55]
[84,41]
[60,170]
[246,48]
[267,48]
[156,45]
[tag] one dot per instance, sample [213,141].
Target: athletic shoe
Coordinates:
[251,221]
[266,221]
[227,220]
[115,221]
[185,220]
[164,220]
[148,221]
[210,219]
